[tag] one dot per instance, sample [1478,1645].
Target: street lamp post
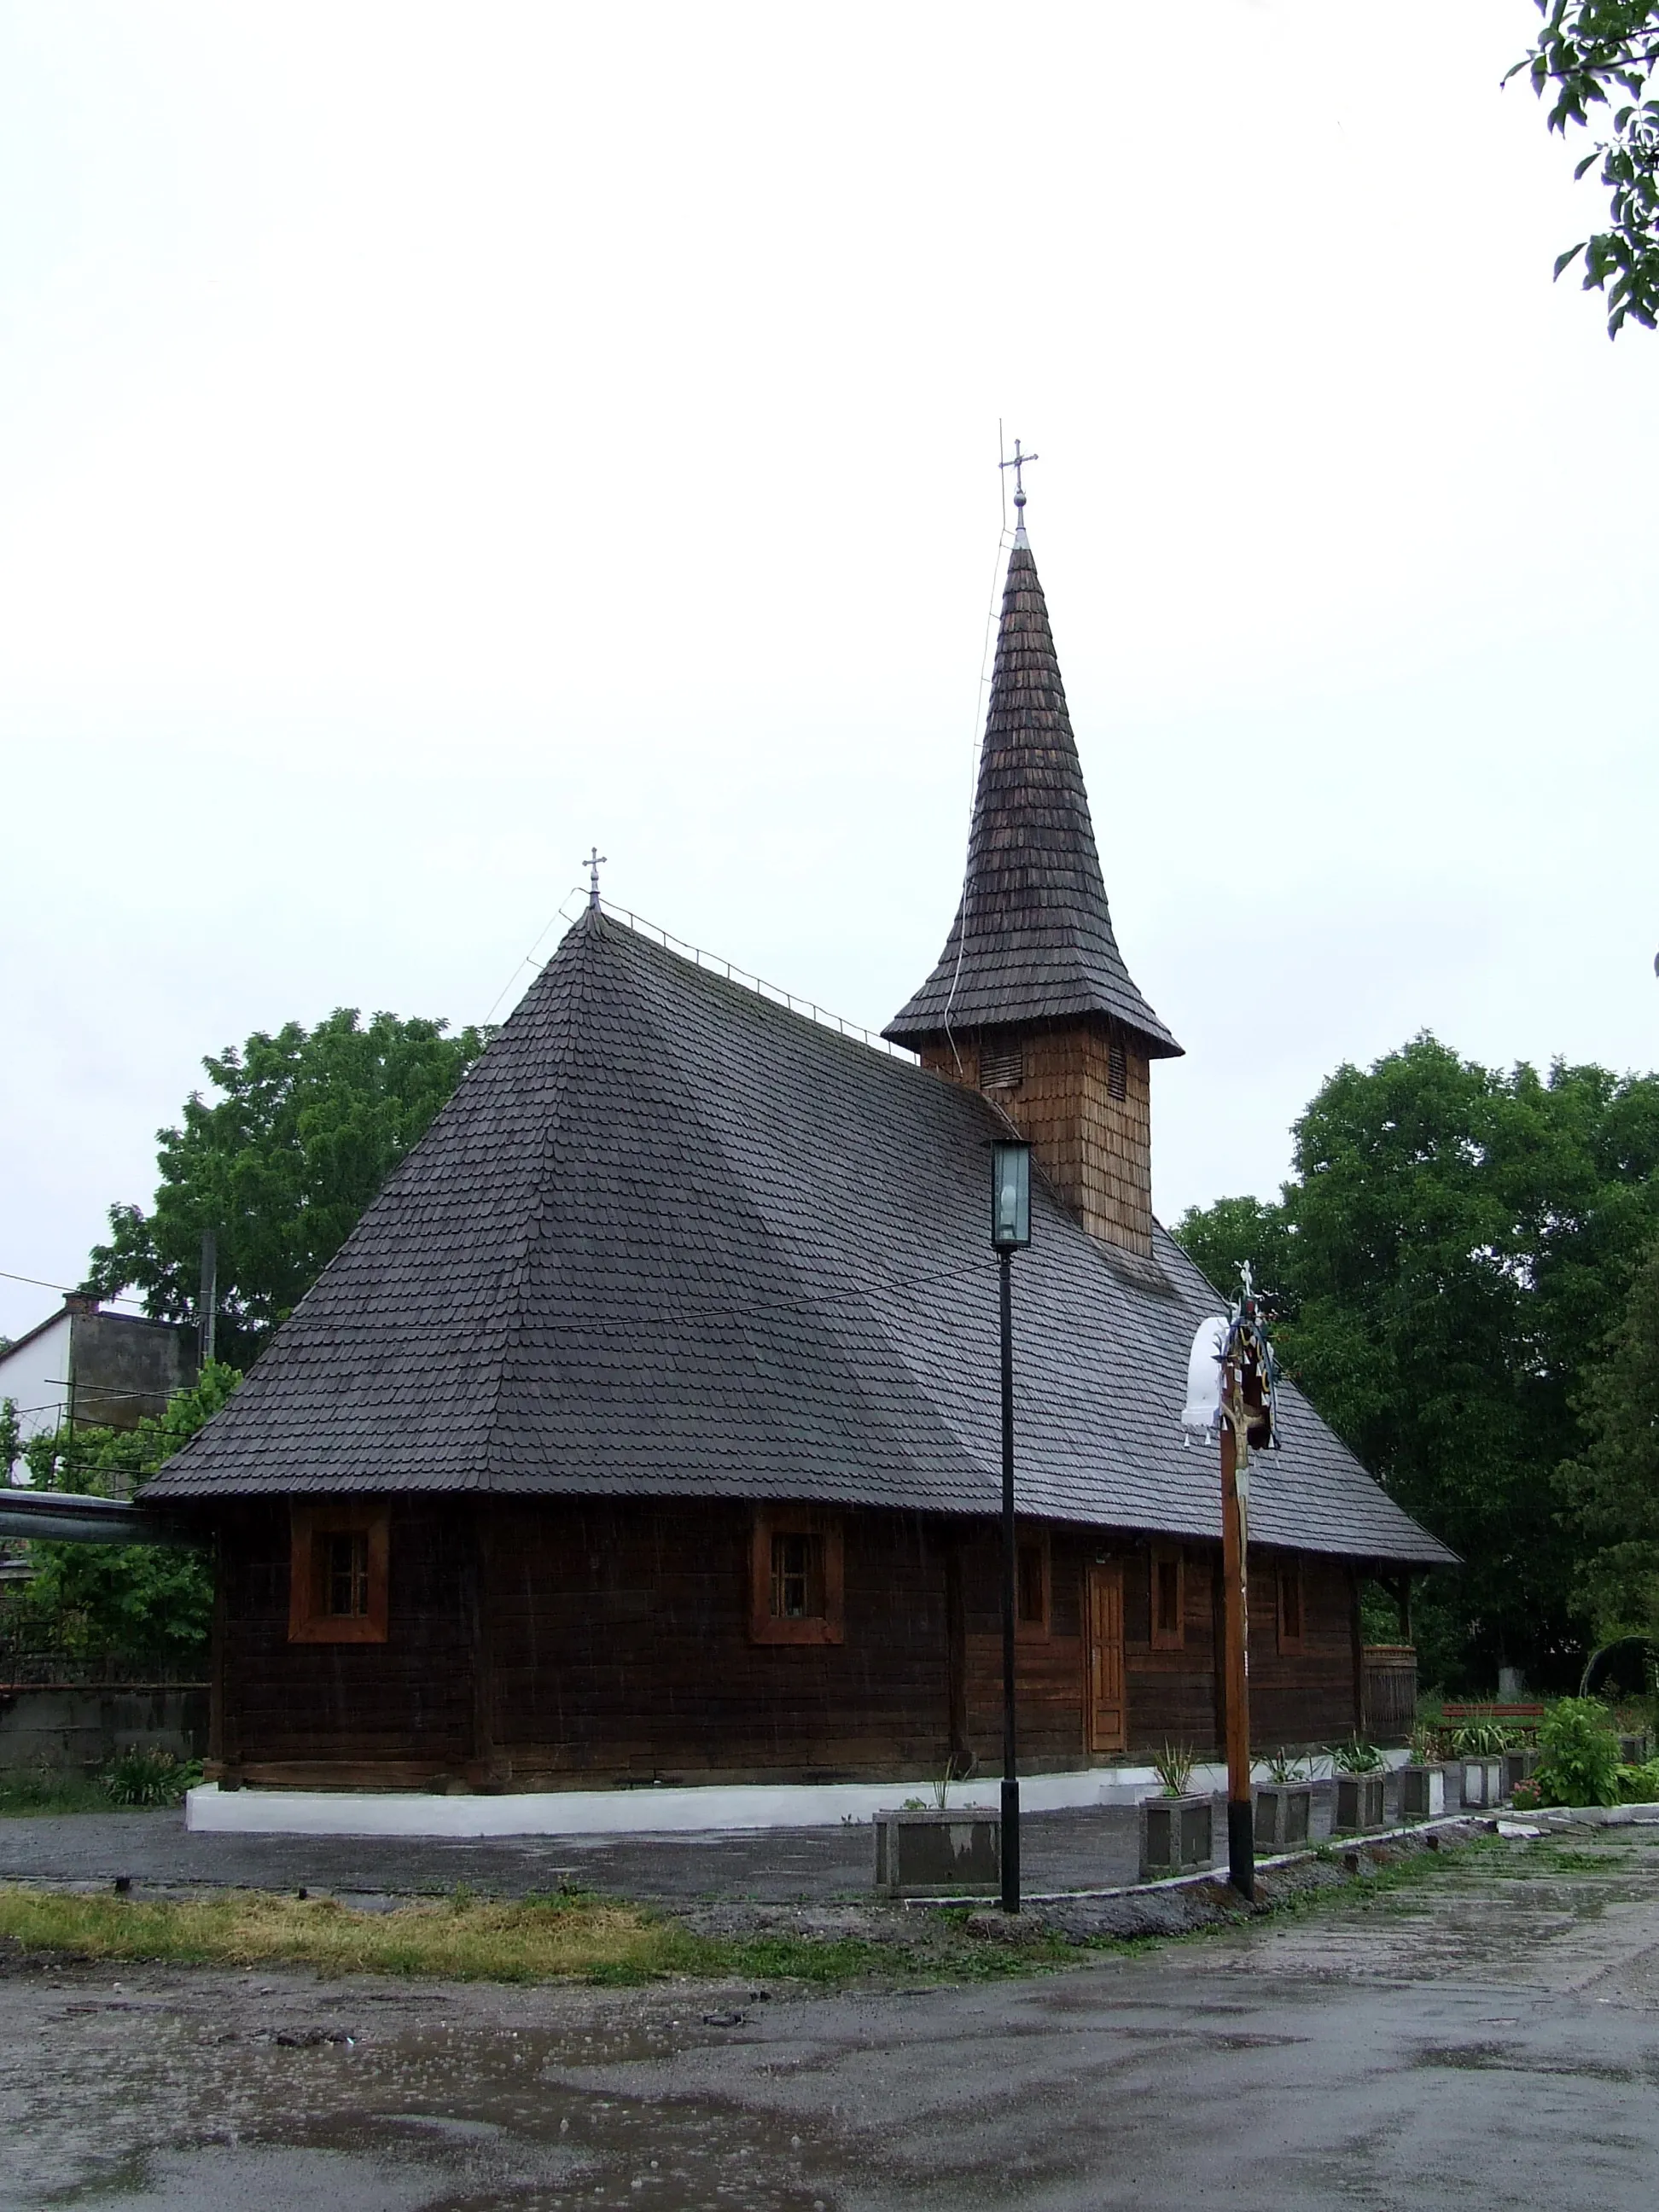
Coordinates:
[1011,1231]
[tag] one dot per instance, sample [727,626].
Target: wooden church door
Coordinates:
[1108,1711]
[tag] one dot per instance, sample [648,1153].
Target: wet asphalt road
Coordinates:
[1490,2034]
[1093,1847]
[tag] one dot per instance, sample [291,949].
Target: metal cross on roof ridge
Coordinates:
[596,861]
[1019,461]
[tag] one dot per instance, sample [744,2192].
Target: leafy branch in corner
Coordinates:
[1601,54]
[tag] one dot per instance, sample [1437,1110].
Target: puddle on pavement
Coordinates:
[398,2119]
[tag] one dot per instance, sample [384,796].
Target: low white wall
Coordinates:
[622,1812]
[645,1812]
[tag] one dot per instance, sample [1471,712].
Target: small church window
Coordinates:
[1031,1586]
[1117,1069]
[338,1575]
[1169,1597]
[1290,1624]
[347,1575]
[795,1577]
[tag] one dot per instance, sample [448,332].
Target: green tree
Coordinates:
[1446,1260]
[1611,1488]
[145,1602]
[1600,55]
[306,1126]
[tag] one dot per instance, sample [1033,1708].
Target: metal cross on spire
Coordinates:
[1019,462]
[596,861]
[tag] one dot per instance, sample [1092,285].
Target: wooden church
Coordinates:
[647,1426]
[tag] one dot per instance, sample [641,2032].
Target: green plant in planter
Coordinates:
[1578,1763]
[1482,1740]
[1424,1749]
[1174,1767]
[1284,1766]
[1356,1756]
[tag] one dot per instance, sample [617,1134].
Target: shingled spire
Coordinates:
[1032,941]
[1030,1000]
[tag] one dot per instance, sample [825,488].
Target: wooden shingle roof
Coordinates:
[672,1239]
[1032,941]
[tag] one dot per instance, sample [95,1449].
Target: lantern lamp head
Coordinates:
[1010,1194]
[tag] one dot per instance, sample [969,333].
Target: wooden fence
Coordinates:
[1388,1690]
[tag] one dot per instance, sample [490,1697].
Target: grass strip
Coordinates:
[570,1936]
[576,1935]
[27,1796]
[464,1938]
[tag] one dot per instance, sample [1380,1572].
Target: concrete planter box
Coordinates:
[1422,1792]
[1482,1781]
[1176,1837]
[1284,1815]
[948,1853]
[1359,1801]
[1519,1766]
[1632,1750]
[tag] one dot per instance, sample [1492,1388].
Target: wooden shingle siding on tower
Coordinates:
[1096,1149]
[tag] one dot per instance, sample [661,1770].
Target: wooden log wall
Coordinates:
[620,1649]
[587,1643]
[398,1713]
[1310,1698]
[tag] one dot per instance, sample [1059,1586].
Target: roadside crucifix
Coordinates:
[1230,1388]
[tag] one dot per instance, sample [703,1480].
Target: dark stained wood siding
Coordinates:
[406,1703]
[561,1644]
[620,1645]
[1310,1699]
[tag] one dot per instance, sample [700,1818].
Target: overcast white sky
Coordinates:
[434,439]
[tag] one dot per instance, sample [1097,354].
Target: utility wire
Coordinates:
[69,1289]
[557,915]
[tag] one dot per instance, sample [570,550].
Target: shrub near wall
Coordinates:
[1579,1760]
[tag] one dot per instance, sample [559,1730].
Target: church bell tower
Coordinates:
[1030,1001]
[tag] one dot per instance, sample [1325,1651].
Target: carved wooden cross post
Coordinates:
[1235,1618]
[1230,1388]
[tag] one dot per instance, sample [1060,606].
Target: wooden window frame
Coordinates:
[1288,1571]
[1167,1640]
[828,1626]
[307,1622]
[1038,1630]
